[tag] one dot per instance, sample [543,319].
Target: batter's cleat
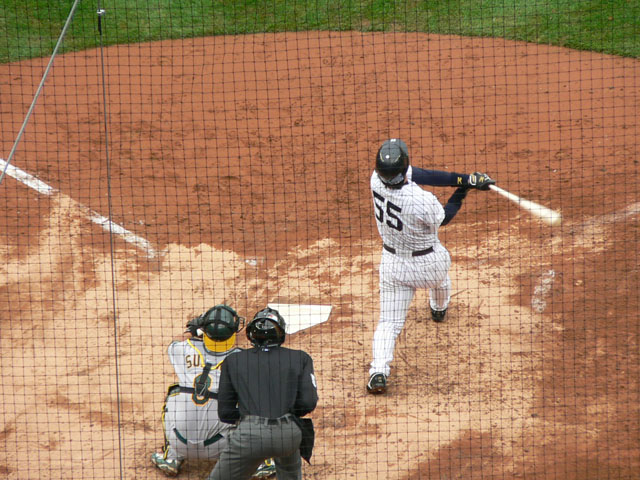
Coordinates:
[170,468]
[266,469]
[377,383]
[438,315]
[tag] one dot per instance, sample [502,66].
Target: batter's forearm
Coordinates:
[453,205]
[438,178]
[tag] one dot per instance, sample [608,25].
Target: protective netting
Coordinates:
[173,156]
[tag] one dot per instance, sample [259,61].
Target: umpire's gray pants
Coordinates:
[252,442]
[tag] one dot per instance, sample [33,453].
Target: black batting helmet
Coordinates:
[219,323]
[267,329]
[392,162]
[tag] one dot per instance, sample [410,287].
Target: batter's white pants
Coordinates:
[399,278]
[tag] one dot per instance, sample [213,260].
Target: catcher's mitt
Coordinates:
[193,326]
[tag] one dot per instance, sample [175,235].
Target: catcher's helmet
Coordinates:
[219,323]
[267,329]
[392,162]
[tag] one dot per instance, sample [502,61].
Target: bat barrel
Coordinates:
[545,214]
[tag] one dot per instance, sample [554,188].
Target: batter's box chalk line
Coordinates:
[541,291]
[44,189]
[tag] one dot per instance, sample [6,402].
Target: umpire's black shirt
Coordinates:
[268,384]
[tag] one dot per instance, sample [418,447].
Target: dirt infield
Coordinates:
[245,162]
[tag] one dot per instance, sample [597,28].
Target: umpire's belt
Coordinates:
[417,253]
[206,443]
[269,421]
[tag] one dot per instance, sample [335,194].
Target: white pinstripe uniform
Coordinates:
[408,219]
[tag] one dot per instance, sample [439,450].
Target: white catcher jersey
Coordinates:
[407,218]
[195,418]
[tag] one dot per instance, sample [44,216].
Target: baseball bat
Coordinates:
[548,216]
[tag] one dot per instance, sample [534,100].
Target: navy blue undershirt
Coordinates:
[438,178]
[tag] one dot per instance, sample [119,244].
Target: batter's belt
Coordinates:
[416,253]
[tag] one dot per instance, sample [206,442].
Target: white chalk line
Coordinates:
[109,226]
[542,290]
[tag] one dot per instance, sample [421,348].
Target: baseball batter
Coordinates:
[192,428]
[408,219]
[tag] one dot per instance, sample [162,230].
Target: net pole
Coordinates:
[72,12]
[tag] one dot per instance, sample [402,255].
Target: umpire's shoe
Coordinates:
[377,383]
[170,468]
[438,315]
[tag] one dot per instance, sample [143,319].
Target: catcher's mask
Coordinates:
[219,326]
[392,162]
[267,329]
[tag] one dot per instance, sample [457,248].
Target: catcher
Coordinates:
[190,420]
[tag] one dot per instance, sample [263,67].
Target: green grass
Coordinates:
[30,28]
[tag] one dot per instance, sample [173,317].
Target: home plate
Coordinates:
[299,317]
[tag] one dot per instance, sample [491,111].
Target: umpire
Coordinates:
[265,390]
